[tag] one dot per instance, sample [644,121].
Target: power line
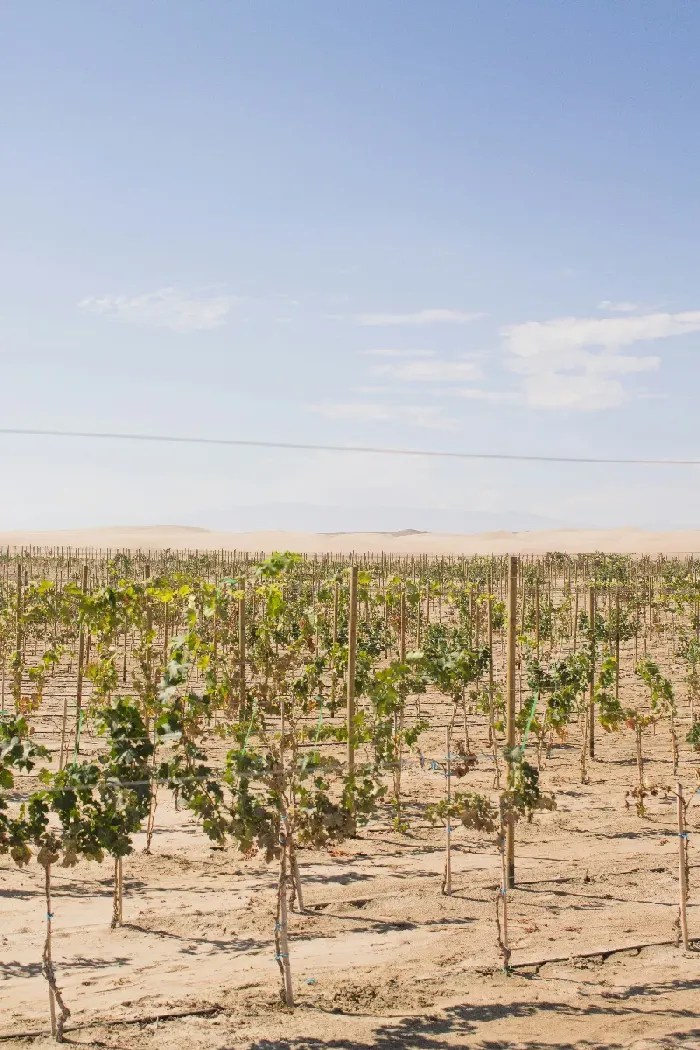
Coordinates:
[370,449]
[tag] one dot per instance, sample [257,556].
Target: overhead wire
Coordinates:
[369,449]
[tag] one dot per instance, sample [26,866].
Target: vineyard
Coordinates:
[318,801]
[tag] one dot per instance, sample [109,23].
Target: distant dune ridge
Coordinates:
[405,541]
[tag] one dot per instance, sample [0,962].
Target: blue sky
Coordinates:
[464,225]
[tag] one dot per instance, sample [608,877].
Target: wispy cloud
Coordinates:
[164,308]
[430,417]
[418,318]
[473,393]
[428,370]
[575,362]
[393,352]
[623,306]
[534,338]
[581,364]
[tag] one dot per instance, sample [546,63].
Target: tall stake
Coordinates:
[447,880]
[352,656]
[510,707]
[682,866]
[18,666]
[118,897]
[81,663]
[502,900]
[402,643]
[241,653]
[55,997]
[591,680]
[617,642]
[149,628]
[492,728]
[335,638]
[281,939]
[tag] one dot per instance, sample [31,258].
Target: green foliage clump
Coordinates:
[473,810]
[523,795]
[18,754]
[611,714]
[693,737]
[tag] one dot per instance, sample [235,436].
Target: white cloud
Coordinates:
[430,417]
[473,393]
[621,307]
[538,337]
[428,371]
[419,317]
[165,308]
[570,363]
[586,393]
[584,361]
[393,352]
[575,363]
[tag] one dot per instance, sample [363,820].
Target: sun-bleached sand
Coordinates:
[156,537]
[380,958]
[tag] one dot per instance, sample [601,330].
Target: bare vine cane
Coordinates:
[502,899]
[352,657]
[681,806]
[118,895]
[447,877]
[281,937]
[153,799]
[492,727]
[296,898]
[513,566]
[58,1018]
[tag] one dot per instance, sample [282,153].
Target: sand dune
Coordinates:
[622,540]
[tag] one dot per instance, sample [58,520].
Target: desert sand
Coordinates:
[176,537]
[380,957]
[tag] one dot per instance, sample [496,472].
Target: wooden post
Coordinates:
[420,616]
[352,656]
[617,642]
[447,882]
[402,643]
[682,867]
[242,696]
[118,899]
[149,628]
[18,671]
[510,704]
[537,616]
[492,728]
[47,960]
[591,680]
[81,668]
[335,612]
[335,639]
[281,937]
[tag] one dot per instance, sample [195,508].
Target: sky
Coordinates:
[465,226]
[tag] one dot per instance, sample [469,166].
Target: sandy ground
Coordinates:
[623,540]
[381,958]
